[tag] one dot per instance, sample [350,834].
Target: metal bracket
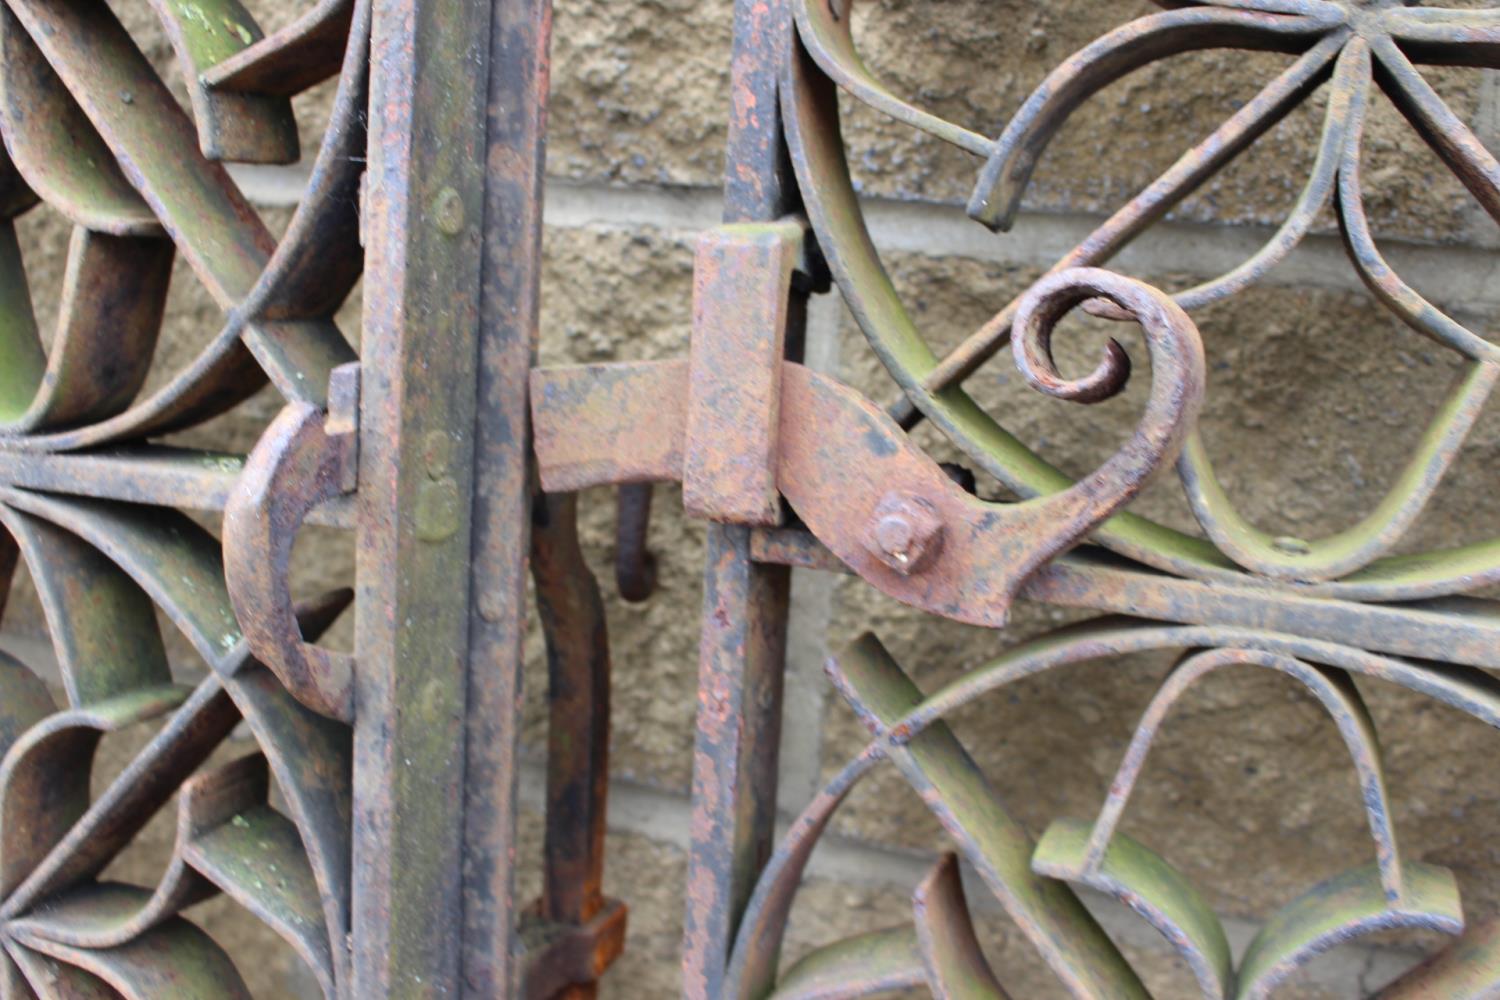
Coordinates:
[742,277]
[558,956]
[306,457]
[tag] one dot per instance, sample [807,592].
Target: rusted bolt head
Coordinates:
[905,533]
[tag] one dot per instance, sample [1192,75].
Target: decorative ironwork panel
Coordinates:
[795,469]
[348,831]
[97,514]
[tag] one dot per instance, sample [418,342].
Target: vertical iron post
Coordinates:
[516,118]
[425,215]
[742,653]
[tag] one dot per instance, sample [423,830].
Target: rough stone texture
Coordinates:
[636,89]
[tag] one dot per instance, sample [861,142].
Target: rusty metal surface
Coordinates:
[581,932]
[305,458]
[424,214]
[510,277]
[742,277]
[874,499]
[738,739]
[742,644]
[635,565]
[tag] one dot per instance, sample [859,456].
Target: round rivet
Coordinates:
[438,513]
[491,606]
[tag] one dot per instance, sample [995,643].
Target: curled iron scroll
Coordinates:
[860,484]
[1347,46]
[842,461]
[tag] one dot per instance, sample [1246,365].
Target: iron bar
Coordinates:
[512,160]
[425,211]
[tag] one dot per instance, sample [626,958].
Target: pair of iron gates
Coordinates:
[387,862]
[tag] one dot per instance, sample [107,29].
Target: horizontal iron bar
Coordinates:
[154,475]
[1463,630]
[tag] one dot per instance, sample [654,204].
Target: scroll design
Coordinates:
[1343,45]
[847,470]
[862,487]
[1348,49]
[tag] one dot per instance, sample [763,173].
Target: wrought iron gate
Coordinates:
[385,857]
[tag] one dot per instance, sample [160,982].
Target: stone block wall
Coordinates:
[1316,399]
